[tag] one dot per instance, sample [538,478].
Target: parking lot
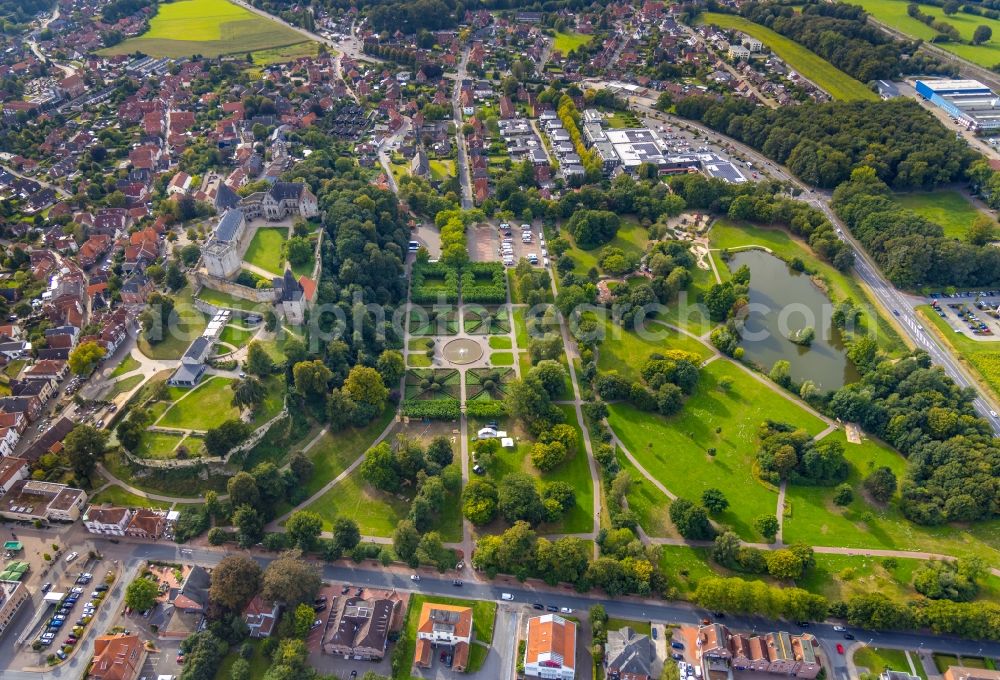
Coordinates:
[507,243]
[974,314]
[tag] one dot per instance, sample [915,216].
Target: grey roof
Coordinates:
[228,225]
[288,287]
[187,373]
[282,191]
[195,354]
[226,198]
[629,652]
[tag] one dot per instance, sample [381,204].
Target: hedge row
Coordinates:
[485,408]
[423,294]
[440,409]
[473,290]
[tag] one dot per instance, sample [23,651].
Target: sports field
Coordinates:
[945,207]
[209,28]
[893,13]
[810,65]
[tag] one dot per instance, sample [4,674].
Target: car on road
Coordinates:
[538,605]
[840,648]
[552,608]
[72,556]
[457,583]
[46,587]
[676,656]
[506,596]
[839,629]
[848,636]
[993,413]
[346,589]
[316,624]
[414,577]
[413,246]
[677,645]
[61,654]
[565,610]
[71,640]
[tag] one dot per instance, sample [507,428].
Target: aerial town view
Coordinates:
[499,340]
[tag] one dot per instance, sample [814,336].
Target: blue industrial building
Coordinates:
[968,101]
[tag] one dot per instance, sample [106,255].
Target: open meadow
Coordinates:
[207,27]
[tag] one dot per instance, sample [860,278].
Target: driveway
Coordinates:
[429,237]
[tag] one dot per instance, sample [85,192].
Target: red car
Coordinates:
[180,658]
[840,648]
[71,640]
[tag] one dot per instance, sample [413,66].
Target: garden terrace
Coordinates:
[484,282]
[433,283]
[433,321]
[479,320]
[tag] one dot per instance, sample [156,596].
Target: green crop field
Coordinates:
[675,450]
[207,27]
[265,250]
[893,13]
[945,207]
[810,65]
[567,42]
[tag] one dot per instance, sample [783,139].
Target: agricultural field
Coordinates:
[946,207]
[726,234]
[810,65]
[280,55]
[569,41]
[203,407]
[981,358]
[678,450]
[266,250]
[210,28]
[893,13]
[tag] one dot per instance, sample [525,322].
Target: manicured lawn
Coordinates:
[675,449]
[520,328]
[12,369]
[945,661]
[893,13]
[815,519]
[726,234]
[207,27]
[442,170]
[127,365]
[483,616]
[124,385]
[266,248]
[877,660]
[683,567]
[946,207]
[205,407]
[685,312]
[274,399]
[567,42]
[632,238]
[643,627]
[227,301]
[418,360]
[119,496]
[335,451]
[650,505]
[624,350]
[809,64]
[158,445]
[190,323]
[501,342]
[981,358]
[576,472]
[237,337]
[259,662]
[502,359]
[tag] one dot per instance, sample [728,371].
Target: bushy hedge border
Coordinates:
[422,295]
[494,293]
[440,409]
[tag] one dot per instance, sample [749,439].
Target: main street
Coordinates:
[894,304]
[132,553]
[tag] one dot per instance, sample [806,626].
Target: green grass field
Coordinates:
[632,238]
[877,660]
[981,358]
[227,301]
[625,351]
[576,472]
[237,337]
[259,662]
[816,520]
[207,406]
[726,234]
[500,342]
[190,323]
[810,65]
[893,13]
[115,495]
[683,567]
[502,359]
[685,313]
[650,505]
[441,169]
[569,41]
[127,365]
[124,385]
[675,449]
[946,207]
[335,451]
[207,27]
[158,445]
[280,55]
[265,250]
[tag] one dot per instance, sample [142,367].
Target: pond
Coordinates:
[782,302]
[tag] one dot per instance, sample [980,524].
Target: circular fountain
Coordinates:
[462,351]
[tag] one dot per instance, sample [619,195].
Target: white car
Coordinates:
[72,556]
[414,577]
[565,610]
[993,413]
[839,629]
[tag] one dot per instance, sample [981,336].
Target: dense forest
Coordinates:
[840,34]
[822,143]
[911,250]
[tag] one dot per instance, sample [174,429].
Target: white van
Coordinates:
[506,596]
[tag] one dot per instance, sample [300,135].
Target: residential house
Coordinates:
[261,616]
[146,523]
[628,655]
[443,626]
[550,651]
[11,471]
[46,369]
[117,657]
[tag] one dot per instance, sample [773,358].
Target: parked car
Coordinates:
[72,556]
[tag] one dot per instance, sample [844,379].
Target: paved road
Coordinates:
[464,178]
[527,593]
